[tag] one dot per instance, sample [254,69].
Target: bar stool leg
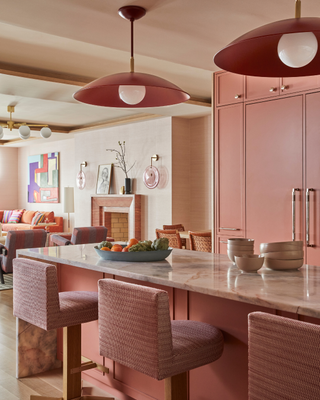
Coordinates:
[176,387]
[71,359]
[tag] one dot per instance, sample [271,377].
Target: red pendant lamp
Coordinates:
[286,48]
[131,89]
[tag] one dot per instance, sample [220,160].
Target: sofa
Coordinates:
[27,219]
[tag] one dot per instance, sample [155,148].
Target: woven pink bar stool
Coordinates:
[36,300]
[135,330]
[284,358]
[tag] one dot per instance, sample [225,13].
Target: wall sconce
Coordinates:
[81,177]
[151,175]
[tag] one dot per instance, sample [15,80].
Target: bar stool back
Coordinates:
[36,300]
[200,241]
[135,330]
[172,235]
[284,358]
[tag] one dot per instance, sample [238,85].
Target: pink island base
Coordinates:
[202,286]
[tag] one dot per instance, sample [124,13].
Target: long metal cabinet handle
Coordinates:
[308,217]
[229,229]
[294,212]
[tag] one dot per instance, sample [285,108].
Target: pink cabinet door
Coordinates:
[229,88]
[260,88]
[313,176]
[229,171]
[274,159]
[299,84]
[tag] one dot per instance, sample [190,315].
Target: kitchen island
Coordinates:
[201,286]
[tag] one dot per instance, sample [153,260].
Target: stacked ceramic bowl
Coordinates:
[239,247]
[282,255]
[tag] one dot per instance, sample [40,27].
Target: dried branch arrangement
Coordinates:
[121,158]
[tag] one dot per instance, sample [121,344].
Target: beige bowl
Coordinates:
[233,247]
[283,264]
[232,254]
[284,255]
[281,246]
[249,263]
[240,241]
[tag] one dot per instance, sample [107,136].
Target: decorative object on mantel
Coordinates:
[104,178]
[43,178]
[285,48]
[24,130]
[131,89]
[122,190]
[151,175]
[122,163]
[68,203]
[81,176]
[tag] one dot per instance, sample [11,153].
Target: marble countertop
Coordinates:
[212,274]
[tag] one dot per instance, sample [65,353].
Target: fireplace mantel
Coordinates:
[129,203]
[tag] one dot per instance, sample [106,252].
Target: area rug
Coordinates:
[8,282]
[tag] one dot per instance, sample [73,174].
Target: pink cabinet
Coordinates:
[229,88]
[302,83]
[274,160]
[312,178]
[260,88]
[229,171]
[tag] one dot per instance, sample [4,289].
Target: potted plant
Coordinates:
[122,164]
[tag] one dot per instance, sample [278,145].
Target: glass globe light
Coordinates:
[45,132]
[1,132]
[132,94]
[297,49]
[24,132]
[81,180]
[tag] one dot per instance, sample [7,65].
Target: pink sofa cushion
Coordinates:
[27,216]
[15,216]
[6,216]
[39,217]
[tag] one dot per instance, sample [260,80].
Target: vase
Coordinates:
[127,185]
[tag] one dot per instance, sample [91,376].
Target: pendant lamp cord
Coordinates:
[131,58]
[298,9]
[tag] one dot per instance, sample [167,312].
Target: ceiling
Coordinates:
[49,49]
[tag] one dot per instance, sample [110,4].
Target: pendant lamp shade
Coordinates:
[256,52]
[131,89]
[105,91]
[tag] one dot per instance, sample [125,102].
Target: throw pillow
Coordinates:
[6,216]
[27,217]
[15,216]
[39,217]
[49,215]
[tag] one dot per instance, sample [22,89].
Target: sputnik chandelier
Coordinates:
[285,48]
[131,89]
[24,128]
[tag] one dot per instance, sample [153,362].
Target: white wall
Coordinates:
[143,139]
[8,178]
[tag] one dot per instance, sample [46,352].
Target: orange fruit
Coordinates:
[132,242]
[125,249]
[116,247]
[105,249]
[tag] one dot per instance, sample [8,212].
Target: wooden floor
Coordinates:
[45,384]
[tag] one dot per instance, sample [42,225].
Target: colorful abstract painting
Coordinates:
[43,178]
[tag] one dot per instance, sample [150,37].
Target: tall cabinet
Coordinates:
[267,167]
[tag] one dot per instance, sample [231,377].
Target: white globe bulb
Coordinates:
[1,132]
[24,132]
[131,94]
[45,132]
[297,49]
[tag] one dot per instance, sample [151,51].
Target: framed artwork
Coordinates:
[104,178]
[43,178]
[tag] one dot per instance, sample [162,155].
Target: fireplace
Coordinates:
[103,206]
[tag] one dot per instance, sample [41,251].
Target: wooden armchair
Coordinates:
[172,235]
[200,241]
[91,234]
[179,228]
